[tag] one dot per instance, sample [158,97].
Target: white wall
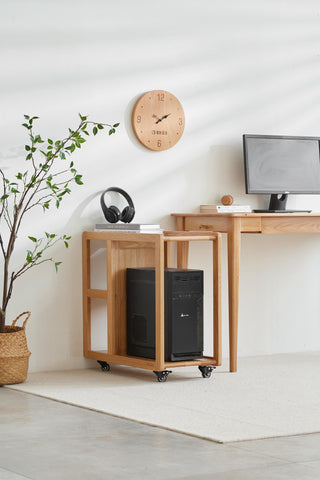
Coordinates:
[242,66]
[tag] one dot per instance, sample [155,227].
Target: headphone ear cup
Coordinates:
[112,214]
[127,214]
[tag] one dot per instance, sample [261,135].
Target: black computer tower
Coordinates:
[183,293]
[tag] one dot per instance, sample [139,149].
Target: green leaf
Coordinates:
[101,127]
[26,117]
[78,180]
[38,139]
[50,141]
[4,197]
[111,131]
[95,130]
[33,239]
[66,244]
[27,147]
[29,257]
[116,125]
[56,264]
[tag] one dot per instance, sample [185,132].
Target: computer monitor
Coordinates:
[280,165]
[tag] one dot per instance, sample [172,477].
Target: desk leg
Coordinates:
[182,247]
[233,283]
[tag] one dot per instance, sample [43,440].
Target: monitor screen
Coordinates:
[282,164]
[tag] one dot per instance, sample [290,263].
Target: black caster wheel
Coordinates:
[105,367]
[206,371]
[162,376]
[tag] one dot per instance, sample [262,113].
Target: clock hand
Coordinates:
[160,119]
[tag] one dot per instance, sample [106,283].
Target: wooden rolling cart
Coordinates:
[134,250]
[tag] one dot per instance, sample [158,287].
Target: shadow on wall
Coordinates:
[228,173]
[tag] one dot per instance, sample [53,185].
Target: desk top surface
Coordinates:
[252,214]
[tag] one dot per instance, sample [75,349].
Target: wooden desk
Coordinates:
[233,224]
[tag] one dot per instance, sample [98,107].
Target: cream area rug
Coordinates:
[269,396]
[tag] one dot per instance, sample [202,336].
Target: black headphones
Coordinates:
[112,214]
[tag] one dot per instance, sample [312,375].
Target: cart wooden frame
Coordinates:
[134,250]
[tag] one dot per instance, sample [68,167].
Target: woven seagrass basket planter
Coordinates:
[14,353]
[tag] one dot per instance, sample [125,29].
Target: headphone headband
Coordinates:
[112,213]
[122,192]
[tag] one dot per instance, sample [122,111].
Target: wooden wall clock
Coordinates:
[158,120]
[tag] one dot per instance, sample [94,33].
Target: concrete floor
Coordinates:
[42,439]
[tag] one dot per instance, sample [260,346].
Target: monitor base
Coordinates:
[282,211]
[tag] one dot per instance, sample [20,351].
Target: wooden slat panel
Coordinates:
[293,224]
[213,223]
[251,224]
[217,328]
[86,305]
[147,363]
[124,236]
[111,302]
[159,262]
[190,363]
[167,255]
[139,362]
[97,293]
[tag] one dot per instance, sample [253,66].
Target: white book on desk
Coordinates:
[225,209]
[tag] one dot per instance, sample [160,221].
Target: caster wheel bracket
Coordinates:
[105,367]
[206,370]
[163,375]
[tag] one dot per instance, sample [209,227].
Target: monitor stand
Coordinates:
[278,205]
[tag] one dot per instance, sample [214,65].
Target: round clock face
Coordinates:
[158,120]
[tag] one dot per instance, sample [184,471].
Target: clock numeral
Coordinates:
[139,119]
[161,97]
[180,121]
[159,143]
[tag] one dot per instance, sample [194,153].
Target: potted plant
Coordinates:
[43,183]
